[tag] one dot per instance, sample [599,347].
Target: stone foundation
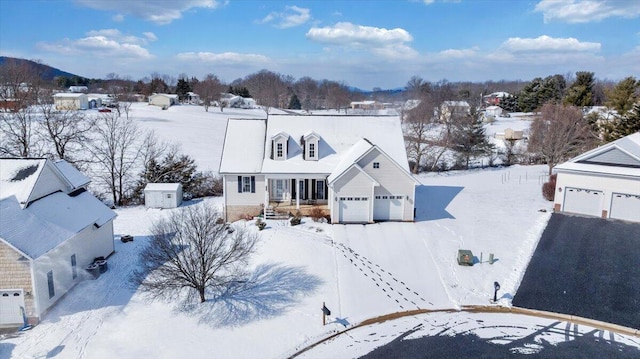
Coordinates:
[235,212]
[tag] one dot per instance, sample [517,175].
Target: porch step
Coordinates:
[270,213]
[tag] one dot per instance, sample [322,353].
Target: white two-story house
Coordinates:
[352,167]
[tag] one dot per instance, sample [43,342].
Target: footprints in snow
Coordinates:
[394,289]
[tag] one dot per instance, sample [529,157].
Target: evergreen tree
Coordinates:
[469,138]
[182,89]
[172,168]
[581,91]
[294,103]
[510,103]
[624,125]
[623,96]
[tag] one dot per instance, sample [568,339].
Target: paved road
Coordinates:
[588,267]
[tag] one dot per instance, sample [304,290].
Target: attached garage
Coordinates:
[603,182]
[11,307]
[354,209]
[625,207]
[583,201]
[388,208]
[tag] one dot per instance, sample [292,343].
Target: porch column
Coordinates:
[266,197]
[297,189]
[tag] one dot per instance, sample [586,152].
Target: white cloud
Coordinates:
[546,43]
[118,18]
[581,11]
[104,43]
[458,53]
[226,58]
[292,16]
[159,11]
[391,44]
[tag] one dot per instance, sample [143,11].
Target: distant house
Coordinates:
[603,182]
[235,101]
[163,195]
[367,105]
[71,101]
[353,168]
[78,89]
[451,108]
[163,100]
[494,99]
[51,228]
[493,111]
[509,134]
[193,98]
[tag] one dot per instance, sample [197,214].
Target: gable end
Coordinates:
[612,157]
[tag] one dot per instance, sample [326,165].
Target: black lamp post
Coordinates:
[496,286]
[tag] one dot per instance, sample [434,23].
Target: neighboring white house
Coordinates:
[193,98]
[163,195]
[451,108]
[603,182]
[163,100]
[51,228]
[493,111]
[71,101]
[235,101]
[78,89]
[354,168]
[367,105]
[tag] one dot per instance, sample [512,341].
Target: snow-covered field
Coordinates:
[358,271]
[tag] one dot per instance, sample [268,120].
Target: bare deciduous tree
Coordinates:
[115,149]
[18,133]
[209,90]
[192,248]
[67,132]
[559,133]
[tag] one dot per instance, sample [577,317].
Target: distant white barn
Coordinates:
[162,195]
[71,101]
[163,100]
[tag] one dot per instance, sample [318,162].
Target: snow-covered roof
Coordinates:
[350,157]
[620,157]
[18,177]
[162,187]
[499,94]
[75,177]
[456,104]
[69,95]
[164,95]
[243,149]
[338,134]
[49,221]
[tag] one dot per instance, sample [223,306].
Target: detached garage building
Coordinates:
[604,182]
[162,195]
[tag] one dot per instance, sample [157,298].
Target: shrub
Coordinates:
[261,225]
[295,221]
[549,188]
[316,213]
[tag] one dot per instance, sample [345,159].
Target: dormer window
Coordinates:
[311,141]
[279,146]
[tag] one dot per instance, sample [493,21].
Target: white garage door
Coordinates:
[354,209]
[11,300]
[583,201]
[387,208]
[625,207]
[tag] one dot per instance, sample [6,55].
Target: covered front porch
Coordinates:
[290,195]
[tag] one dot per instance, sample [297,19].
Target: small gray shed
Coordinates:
[163,195]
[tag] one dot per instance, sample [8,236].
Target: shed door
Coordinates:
[583,201]
[387,208]
[11,302]
[625,207]
[354,209]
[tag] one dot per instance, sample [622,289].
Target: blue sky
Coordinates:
[365,44]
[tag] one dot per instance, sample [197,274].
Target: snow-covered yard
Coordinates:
[359,271]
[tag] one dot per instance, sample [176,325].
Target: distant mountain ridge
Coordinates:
[48,73]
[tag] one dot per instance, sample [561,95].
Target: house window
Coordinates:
[376,165]
[52,291]
[320,189]
[279,150]
[312,150]
[74,268]
[246,184]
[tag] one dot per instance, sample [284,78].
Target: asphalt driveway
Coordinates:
[588,267]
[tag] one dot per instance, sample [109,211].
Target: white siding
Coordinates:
[608,185]
[90,243]
[392,180]
[234,198]
[353,183]
[48,182]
